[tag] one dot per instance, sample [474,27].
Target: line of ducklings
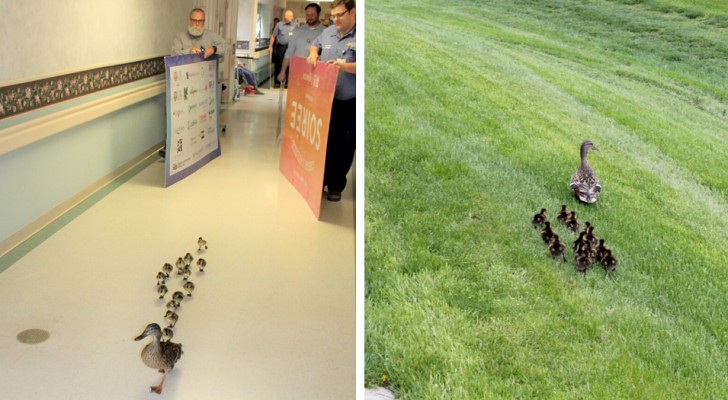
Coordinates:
[588,248]
[162,354]
[184,268]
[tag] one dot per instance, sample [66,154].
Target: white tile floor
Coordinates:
[273,315]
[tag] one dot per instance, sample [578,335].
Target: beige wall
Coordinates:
[49,37]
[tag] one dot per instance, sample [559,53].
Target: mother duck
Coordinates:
[159,355]
[585,183]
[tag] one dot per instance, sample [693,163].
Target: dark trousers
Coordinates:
[341,145]
[279,52]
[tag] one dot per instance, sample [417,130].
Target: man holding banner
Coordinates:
[337,46]
[197,39]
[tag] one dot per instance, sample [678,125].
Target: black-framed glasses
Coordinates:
[339,15]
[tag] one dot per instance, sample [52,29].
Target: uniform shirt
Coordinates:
[283,32]
[333,46]
[303,37]
[183,42]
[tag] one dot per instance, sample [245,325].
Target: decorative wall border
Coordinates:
[28,96]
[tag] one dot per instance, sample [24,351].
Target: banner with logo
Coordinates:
[193,112]
[306,127]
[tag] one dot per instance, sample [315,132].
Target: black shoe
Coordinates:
[162,153]
[333,196]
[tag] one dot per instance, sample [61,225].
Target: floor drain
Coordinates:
[33,336]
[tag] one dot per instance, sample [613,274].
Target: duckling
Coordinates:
[167,333]
[189,287]
[172,318]
[563,214]
[583,262]
[180,264]
[161,278]
[159,355]
[188,259]
[557,247]
[171,305]
[547,232]
[585,248]
[201,243]
[186,272]
[202,264]
[167,269]
[587,224]
[571,223]
[539,218]
[578,242]
[609,262]
[601,250]
[591,237]
[162,290]
[584,183]
[177,297]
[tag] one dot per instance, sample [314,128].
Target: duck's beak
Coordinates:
[595,148]
[142,336]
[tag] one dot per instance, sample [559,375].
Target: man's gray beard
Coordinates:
[195,31]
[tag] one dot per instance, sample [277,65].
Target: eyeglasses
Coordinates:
[339,15]
[198,21]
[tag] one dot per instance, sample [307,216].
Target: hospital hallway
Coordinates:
[272,315]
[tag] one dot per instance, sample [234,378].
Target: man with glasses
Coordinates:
[337,46]
[197,39]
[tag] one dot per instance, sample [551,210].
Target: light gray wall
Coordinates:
[43,38]
[47,37]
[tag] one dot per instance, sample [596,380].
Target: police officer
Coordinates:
[337,45]
[282,33]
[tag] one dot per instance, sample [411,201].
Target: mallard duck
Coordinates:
[547,233]
[161,278]
[189,287]
[557,247]
[539,218]
[202,264]
[172,318]
[162,290]
[159,355]
[563,214]
[201,243]
[188,259]
[585,183]
[171,305]
[167,269]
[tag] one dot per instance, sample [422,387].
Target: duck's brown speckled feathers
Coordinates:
[585,184]
[159,355]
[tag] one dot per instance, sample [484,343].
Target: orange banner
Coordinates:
[306,127]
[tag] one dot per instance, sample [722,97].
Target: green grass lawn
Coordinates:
[474,114]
